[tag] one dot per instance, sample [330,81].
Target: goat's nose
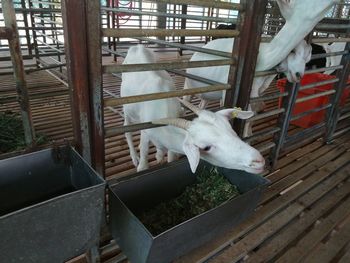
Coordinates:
[298,75]
[258,162]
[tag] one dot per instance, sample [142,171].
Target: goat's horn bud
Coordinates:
[177,122]
[189,105]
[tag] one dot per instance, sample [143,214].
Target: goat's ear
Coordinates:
[236,113]
[192,153]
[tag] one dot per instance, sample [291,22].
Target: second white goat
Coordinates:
[209,136]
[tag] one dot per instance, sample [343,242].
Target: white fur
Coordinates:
[333,60]
[207,130]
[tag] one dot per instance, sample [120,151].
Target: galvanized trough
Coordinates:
[51,206]
[130,197]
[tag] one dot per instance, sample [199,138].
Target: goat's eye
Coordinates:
[207,148]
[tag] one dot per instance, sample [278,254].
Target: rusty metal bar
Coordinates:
[188,47]
[74,22]
[164,65]
[316,40]
[245,51]
[163,95]
[95,84]
[35,10]
[5,33]
[161,14]
[130,33]
[18,68]
[47,3]
[204,3]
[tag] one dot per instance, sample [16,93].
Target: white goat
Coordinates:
[209,136]
[301,17]
[293,66]
[333,60]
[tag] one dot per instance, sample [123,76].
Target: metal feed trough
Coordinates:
[130,197]
[51,206]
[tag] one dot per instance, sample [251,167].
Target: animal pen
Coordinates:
[60,70]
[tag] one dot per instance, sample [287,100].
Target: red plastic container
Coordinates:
[317,117]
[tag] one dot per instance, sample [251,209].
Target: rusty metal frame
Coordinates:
[245,51]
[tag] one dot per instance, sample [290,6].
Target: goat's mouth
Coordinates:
[255,170]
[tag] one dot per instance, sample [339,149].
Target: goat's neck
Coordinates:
[170,137]
[283,43]
[298,24]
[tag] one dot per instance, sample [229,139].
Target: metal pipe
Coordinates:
[269,97]
[262,134]
[284,121]
[317,84]
[47,3]
[163,95]
[344,116]
[131,33]
[323,69]
[19,74]
[313,96]
[266,114]
[305,113]
[161,14]
[188,47]
[305,133]
[52,38]
[25,57]
[35,10]
[265,146]
[316,40]
[334,112]
[164,65]
[204,3]
[48,21]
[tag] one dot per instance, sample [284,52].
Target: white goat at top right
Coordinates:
[301,17]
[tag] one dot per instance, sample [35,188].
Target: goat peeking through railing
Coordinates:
[209,136]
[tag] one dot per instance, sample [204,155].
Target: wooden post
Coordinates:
[245,51]
[74,23]
[18,70]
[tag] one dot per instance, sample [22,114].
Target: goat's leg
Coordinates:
[144,146]
[128,136]
[171,156]
[160,155]
[187,97]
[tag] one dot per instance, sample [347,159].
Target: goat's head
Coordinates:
[211,138]
[294,65]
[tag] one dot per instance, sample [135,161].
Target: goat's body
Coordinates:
[138,83]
